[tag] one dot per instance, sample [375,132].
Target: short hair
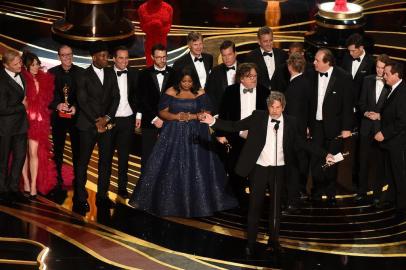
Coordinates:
[194,36]
[157,47]
[396,67]
[264,30]
[119,48]
[29,58]
[9,55]
[63,46]
[296,45]
[276,96]
[328,56]
[187,71]
[98,46]
[355,39]
[244,69]
[297,62]
[384,58]
[227,44]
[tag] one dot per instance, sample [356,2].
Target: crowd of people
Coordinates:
[268,123]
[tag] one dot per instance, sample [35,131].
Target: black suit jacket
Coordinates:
[367,103]
[96,99]
[132,85]
[255,56]
[297,101]
[13,116]
[257,125]
[337,104]
[216,85]
[62,77]
[367,67]
[149,93]
[230,107]
[393,118]
[186,61]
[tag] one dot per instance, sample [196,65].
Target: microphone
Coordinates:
[276,127]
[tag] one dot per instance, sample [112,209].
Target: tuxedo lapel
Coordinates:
[16,85]
[361,67]
[165,81]
[95,77]
[331,83]
[207,67]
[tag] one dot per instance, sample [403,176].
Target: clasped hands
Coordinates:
[101,124]
[372,115]
[64,107]
[186,116]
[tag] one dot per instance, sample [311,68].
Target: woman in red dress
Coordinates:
[39,172]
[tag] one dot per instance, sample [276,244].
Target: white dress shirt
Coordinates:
[268,157]
[248,103]
[160,77]
[201,71]
[231,74]
[270,63]
[124,108]
[321,92]
[100,73]
[17,78]
[394,87]
[378,89]
[356,64]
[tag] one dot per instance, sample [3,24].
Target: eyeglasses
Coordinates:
[251,76]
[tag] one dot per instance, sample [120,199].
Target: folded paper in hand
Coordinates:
[338,157]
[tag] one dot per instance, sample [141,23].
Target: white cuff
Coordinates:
[138,116]
[153,120]
[212,123]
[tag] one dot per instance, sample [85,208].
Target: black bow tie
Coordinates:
[228,68]
[357,59]
[15,75]
[250,90]
[323,74]
[275,121]
[379,78]
[267,54]
[160,72]
[120,72]
[199,59]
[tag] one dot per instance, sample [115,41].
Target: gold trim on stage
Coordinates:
[339,26]
[96,2]
[340,15]
[80,38]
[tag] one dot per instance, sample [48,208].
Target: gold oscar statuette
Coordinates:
[65,114]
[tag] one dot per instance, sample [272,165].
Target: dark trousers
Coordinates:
[324,181]
[149,137]
[395,176]
[60,127]
[236,182]
[87,141]
[122,135]
[369,152]
[14,147]
[261,178]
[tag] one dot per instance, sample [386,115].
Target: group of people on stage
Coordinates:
[207,132]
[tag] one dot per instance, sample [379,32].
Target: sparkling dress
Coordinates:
[183,176]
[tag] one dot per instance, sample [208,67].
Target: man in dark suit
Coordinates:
[297,105]
[392,136]
[126,117]
[153,82]
[267,158]
[267,58]
[331,115]
[64,106]
[200,62]
[98,98]
[13,128]
[239,101]
[359,64]
[373,95]
[222,75]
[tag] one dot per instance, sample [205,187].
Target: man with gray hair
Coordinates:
[268,158]
[13,128]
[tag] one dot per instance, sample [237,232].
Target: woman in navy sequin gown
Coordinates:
[183,176]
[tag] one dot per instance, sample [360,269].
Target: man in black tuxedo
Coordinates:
[222,75]
[267,58]
[282,74]
[331,115]
[267,158]
[238,102]
[200,62]
[126,118]
[297,105]
[63,119]
[392,136]
[359,64]
[153,82]
[373,96]
[13,128]
[98,98]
